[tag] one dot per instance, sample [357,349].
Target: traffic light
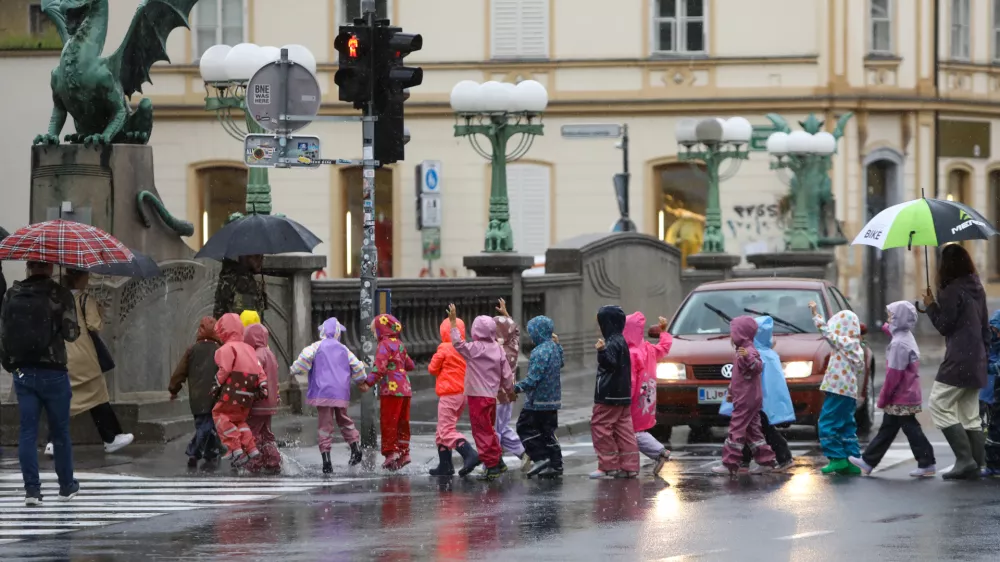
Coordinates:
[392,83]
[353,78]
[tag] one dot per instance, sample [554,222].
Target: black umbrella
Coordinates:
[140,266]
[258,234]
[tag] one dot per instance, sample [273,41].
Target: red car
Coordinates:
[692,379]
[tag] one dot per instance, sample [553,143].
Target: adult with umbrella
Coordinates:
[958,313]
[3,281]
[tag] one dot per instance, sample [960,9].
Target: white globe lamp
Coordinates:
[824,143]
[465,96]
[271,54]
[301,55]
[243,61]
[494,97]
[213,64]
[800,142]
[684,131]
[777,144]
[737,130]
[532,96]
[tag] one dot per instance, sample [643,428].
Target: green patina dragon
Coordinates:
[96,90]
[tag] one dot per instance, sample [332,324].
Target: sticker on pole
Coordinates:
[265,151]
[262,94]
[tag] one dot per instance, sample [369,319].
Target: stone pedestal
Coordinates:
[502,264]
[713,262]
[813,265]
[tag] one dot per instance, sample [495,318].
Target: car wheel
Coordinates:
[865,416]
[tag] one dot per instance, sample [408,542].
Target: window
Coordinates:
[790,305]
[679,26]
[994,216]
[881,26]
[38,22]
[223,192]
[351,10]
[835,305]
[528,189]
[519,29]
[217,22]
[680,215]
[960,29]
[352,181]
[846,304]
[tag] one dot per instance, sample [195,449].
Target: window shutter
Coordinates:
[534,28]
[528,189]
[520,28]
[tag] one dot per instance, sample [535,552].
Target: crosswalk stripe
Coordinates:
[83,497]
[25,516]
[143,491]
[26,532]
[55,524]
[111,507]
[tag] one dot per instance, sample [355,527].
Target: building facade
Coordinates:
[923,119]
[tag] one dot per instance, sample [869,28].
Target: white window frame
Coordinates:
[516,212]
[342,12]
[960,30]
[679,22]
[218,28]
[887,21]
[494,35]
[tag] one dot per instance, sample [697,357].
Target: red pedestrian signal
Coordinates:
[352,45]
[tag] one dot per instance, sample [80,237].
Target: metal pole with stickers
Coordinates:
[429,211]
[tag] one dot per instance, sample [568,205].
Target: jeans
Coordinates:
[49,389]
[205,444]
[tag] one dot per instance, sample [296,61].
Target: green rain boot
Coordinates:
[836,465]
[849,470]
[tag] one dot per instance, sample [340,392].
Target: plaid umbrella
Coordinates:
[65,243]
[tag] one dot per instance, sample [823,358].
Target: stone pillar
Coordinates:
[503,264]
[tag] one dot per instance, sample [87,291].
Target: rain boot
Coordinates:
[444,467]
[836,465]
[977,440]
[965,464]
[470,458]
[327,465]
[355,454]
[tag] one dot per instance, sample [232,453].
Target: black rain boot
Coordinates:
[977,440]
[470,458]
[965,464]
[444,467]
[355,454]
[327,465]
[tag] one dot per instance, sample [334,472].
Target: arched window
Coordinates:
[222,191]
[352,183]
[680,206]
[959,188]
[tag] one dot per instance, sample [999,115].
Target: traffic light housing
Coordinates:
[353,78]
[392,82]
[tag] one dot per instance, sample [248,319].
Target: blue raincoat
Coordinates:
[777,399]
[993,364]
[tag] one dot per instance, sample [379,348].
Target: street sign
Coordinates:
[430,176]
[595,130]
[282,88]
[758,139]
[430,211]
[431,242]
[265,151]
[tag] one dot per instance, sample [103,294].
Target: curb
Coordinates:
[574,428]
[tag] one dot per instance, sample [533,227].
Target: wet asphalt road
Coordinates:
[161,512]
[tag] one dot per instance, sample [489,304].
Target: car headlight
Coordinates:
[797,369]
[671,371]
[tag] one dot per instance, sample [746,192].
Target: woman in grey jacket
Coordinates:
[959,314]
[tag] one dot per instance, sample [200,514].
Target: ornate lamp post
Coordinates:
[226,71]
[808,156]
[499,112]
[713,141]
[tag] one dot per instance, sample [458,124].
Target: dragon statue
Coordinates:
[95,90]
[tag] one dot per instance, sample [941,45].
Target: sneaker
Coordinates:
[493,472]
[70,493]
[623,474]
[192,463]
[931,470]
[866,468]
[49,450]
[603,475]
[525,463]
[32,499]
[661,461]
[760,469]
[239,459]
[723,469]
[121,441]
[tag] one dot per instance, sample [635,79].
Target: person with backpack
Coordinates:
[37,318]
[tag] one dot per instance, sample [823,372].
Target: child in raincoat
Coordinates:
[644,357]
[331,368]
[509,338]
[487,372]
[900,397]
[611,422]
[240,380]
[838,432]
[392,364]
[992,468]
[198,369]
[256,335]
[448,367]
[249,318]
[539,418]
[747,396]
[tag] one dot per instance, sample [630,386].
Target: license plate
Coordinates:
[711,394]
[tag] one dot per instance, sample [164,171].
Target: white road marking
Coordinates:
[807,535]
[28,516]
[54,490]
[691,556]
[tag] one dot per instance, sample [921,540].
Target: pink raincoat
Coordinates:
[644,357]
[486,367]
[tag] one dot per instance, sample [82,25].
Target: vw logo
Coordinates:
[727,371]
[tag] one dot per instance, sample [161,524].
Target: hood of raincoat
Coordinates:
[255,336]
[742,330]
[904,316]
[229,328]
[611,319]
[765,332]
[850,325]
[249,317]
[484,328]
[206,330]
[331,329]
[540,329]
[445,329]
[507,333]
[635,323]
[995,323]
[386,326]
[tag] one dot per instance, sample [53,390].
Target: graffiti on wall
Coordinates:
[757,225]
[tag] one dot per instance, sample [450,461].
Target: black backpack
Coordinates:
[27,327]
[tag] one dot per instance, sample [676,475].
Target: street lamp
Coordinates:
[808,156]
[226,71]
[499,111]
[712,141]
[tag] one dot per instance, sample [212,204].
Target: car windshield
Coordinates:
[706,312]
